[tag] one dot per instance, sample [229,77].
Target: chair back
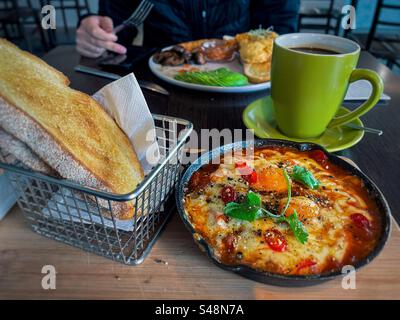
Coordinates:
[322,13]
[379,20]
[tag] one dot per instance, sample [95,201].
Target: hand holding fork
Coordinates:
[137,17]
[95,34]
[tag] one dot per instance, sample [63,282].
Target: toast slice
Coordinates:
[257,72]
[23,153]
[66,128]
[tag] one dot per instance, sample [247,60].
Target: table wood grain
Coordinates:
[175,268]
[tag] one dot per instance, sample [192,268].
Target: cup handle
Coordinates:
[377,89]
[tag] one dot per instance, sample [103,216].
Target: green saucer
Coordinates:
[259,116]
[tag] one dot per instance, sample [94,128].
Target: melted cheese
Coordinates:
[325,213]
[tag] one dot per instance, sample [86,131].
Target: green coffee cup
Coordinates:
[307,88]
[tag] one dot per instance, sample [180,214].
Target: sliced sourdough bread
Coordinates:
[66,128]
[23,153]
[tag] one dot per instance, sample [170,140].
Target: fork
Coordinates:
[137,17]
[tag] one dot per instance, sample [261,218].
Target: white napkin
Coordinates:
[124,101]
[361,90]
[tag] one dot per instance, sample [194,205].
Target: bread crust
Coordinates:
[26,129]
[23,153]
[67,129]
[257,72]
[61,78]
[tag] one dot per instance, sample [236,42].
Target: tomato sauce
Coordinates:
[360,223]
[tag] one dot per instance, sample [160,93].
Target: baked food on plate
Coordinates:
[283,211]
[255,48]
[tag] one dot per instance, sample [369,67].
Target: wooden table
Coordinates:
[175,268]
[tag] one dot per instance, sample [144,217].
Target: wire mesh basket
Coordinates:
[83,217]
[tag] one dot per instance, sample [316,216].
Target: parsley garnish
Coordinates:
[251,209]
[305,176]
[299,231]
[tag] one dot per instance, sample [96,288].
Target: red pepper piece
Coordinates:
[228,194]
[275,240]
[246,172]
[361,221]
[306,263]
[320,157]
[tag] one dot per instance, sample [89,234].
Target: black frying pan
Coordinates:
[273,278]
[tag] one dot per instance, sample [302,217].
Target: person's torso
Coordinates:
[174,21]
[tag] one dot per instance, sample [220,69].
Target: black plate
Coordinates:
[274,278]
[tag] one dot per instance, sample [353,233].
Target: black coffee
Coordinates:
[315,50]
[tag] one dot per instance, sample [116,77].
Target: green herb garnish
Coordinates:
[293,221]
[304,176]
[222,77]
[251,209]
[298,229]
[289,192]
[260,32]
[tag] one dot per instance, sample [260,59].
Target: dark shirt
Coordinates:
[174,21]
